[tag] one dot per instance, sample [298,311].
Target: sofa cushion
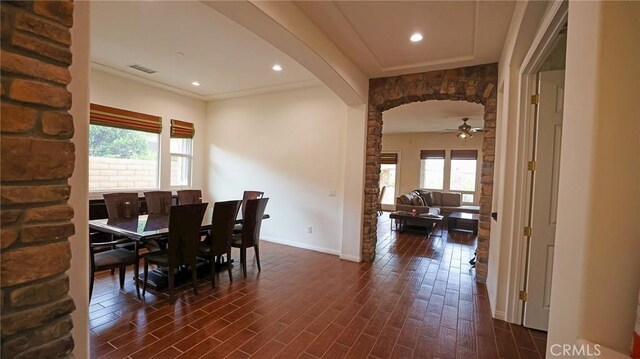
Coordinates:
[451,199]
[437,198]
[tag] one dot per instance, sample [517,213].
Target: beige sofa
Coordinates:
[442,203]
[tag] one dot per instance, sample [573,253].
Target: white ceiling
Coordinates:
[224,57]
[229,61]
[375,35]
[431,116]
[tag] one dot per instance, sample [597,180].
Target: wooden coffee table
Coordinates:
[400,218]
[462,220]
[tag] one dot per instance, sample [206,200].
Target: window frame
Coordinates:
[423,163]
[447,168]
[189,157]
[475,181]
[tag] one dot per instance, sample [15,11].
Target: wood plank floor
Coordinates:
[418,299]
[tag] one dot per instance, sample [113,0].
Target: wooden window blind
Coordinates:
[182,129]
[424,154]
[389,158]
[464,154]
[115,117]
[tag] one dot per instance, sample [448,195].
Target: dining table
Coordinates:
[146,227]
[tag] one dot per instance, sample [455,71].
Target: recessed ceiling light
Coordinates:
[195,83]
[277,67]
[416,37]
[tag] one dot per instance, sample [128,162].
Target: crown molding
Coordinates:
[263,90]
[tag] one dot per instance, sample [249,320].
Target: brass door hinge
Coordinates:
[532,165]
[535,99]
[523,296]
[527,231]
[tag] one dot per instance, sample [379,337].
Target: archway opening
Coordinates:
[475,84]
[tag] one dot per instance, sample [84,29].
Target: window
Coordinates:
[389,163]
[181,153]
[180,149]
[432,169]
[454,173]
[123,149]
[463,173]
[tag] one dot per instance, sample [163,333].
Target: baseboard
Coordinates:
[301,245]
[351,258]
[498,314]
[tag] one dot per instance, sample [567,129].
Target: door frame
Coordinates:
[398,174]
[546,38]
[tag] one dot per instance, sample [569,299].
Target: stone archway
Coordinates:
[474,84]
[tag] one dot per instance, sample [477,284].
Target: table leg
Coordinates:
[438,227]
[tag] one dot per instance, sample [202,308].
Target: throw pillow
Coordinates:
[418,201]
[428,199]
[404,199]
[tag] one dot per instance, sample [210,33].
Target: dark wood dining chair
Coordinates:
[250,236]
[189,196]
[105,255]
[247,195]
[183,245]
[121,205]
[380,196]
[218,241]
[158,202]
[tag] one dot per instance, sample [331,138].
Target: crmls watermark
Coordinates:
[575,350]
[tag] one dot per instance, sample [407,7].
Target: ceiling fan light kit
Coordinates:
[465,130]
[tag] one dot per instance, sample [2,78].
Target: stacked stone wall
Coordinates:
[37,158]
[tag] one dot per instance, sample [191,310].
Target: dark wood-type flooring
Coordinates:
[417,300]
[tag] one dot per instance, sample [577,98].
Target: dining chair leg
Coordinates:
[257,250]
[136,271]
[146,273]
[194,278]
[229,265]
[213,271]
[91,274]
[172,275]
[243,261]
[122,271]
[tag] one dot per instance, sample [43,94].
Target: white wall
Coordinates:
[111,90]
[291,145]
[409,146]
[596,274]
[79,271]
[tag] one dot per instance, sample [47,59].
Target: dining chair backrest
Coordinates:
[184,233]
[121,205]
[189,196]
[252,221]
[158,202]
[381,195]
[222,221]
[247,195]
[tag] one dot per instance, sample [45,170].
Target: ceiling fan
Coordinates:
[465,130]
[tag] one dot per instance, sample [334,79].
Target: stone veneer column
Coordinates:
[37,159]
[473,84]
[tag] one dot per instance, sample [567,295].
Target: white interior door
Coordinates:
[545,199]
